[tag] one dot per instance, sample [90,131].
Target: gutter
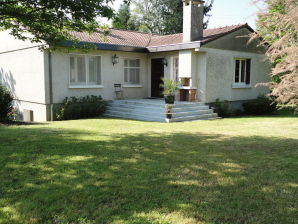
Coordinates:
[51,87]
[106,46]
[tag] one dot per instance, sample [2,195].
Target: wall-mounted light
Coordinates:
[165,62]
[115,59]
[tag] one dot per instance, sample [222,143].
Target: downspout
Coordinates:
[51,87]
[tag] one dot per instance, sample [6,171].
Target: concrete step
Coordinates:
[136,107]
[191,113]
[136,102]
[195,108]
[135,111]
[135,117]
[155,110]
[155,103]
[195,117]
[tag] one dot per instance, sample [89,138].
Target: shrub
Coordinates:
[6,104]
[76,108]
[222,108]
[259,106]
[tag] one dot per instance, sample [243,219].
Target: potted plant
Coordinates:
[170,87]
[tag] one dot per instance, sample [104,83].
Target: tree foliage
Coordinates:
[6,103]
[122,19]
[51,21]
[156,16]
[278,27]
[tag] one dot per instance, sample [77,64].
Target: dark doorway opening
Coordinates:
[157,73]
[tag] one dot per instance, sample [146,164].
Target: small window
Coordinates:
[176,69]
[85,70]
[242,71]
[132,70]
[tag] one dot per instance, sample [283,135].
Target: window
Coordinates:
[176,69]
[242,71]
[132,71]
[85,70]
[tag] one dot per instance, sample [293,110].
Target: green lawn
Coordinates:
[113,171]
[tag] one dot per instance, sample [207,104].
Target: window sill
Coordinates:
[236,86]
[86,87]
[132,86]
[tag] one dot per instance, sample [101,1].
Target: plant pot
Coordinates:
[169,99]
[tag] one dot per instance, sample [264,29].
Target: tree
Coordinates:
[51,21]
[278,27]
[122,19]
[161,16]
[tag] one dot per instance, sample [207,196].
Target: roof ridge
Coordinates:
[222,27]
[162,35]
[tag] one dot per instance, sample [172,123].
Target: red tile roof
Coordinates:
[144,40]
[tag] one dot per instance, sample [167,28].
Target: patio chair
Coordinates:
[118,91]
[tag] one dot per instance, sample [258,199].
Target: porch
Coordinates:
[156,110]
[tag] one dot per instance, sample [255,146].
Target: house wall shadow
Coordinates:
[62,176]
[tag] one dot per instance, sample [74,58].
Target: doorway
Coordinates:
[157,73]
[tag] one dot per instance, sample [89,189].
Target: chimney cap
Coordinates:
[195,2]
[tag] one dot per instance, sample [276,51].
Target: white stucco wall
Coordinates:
[220,71]
[110,75]
[22,71]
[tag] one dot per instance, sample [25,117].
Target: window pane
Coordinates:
[137,76]
[81,68]
[92,70]
[132,75]
[132,63]
[98,66]
[72,74]
[243,63]
[126,75]
[237,70]
[125,63]
[138,63]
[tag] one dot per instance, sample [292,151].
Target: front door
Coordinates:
[157,73]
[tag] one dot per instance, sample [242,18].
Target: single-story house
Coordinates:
[212,64]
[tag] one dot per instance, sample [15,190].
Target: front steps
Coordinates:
[155,110]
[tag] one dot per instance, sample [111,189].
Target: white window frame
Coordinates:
[241,84]
[87,86]
[128,84]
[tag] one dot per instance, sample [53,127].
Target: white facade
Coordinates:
[28,73]
[22,70]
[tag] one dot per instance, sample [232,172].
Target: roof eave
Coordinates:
[109,47]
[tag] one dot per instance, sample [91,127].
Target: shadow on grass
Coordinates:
[66,176]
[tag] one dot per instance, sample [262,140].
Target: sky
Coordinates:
[226,12]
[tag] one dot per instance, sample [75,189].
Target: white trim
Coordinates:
[86,59]
[132,86]
[127,84]
[86,87]
[241,86]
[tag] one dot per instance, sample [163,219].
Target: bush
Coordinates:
[222,108]
[6,104]
[77,108]
[259,106]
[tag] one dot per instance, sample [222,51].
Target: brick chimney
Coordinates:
[193,17]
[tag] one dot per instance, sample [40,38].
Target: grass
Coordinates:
[113,171]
